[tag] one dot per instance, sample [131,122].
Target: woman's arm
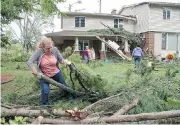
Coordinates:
[60,58]
[32,60]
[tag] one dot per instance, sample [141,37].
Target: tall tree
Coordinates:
[30,29]
[11,9]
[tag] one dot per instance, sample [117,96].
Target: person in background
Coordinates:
[137,55]
[93,56]
[47,59]
[86,54]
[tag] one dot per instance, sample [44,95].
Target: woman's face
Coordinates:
[47,48]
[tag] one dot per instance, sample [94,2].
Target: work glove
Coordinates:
[66,62]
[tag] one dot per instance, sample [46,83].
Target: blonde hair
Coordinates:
[44,41]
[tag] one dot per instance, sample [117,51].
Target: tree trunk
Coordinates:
[67,89]
[118,119]
[27,113]
[115,119]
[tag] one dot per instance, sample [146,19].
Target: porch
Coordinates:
[78,40]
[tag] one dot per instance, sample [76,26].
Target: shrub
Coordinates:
[14,53]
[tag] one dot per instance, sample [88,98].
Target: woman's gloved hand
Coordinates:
[66,62]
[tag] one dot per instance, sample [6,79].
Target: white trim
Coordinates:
[166,9]
[167,41]
[120,21]
[79,21]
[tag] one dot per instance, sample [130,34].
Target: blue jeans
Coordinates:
[45,88]
[86,59]
[137,60]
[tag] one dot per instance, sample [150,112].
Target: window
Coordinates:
[166,13]
[164,40]
[83,44]
[79,21]
[172,41]
[118,23]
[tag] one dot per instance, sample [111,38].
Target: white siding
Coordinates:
[129,25]
[157,23]
[142,14]
[94,23]
[90,23]
[158,44]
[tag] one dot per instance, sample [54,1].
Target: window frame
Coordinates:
[165,13]
[118,23]
[80,21]
[83,42]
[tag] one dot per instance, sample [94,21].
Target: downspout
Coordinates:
[177,48]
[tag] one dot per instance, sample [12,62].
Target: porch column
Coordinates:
[76,44]
[102,51]
[76,48]
[126,46]
[102,46]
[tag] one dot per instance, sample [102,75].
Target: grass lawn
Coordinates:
[24,88]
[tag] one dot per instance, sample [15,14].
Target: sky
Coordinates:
[107,5]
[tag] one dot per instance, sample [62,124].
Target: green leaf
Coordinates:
[173,102]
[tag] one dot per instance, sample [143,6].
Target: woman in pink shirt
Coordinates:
[47,58]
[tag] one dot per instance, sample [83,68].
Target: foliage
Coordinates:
[156,89]
[5,42]
[95,63]
[67,52]
[91,80]
[11,9]
[31,27]
[14,53]
[133,38]
[15,121]
[173,102]
[113,57]
[18,120]
[170,73]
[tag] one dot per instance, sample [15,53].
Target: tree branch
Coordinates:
[126,108]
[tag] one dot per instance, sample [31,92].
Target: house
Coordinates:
[76,24]
[159,23]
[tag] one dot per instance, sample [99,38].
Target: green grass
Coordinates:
[117,75]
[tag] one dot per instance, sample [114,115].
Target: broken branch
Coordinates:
[126,108]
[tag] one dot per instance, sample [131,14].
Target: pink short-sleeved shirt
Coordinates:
[49,65]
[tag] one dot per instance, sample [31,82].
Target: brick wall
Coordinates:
[149,36]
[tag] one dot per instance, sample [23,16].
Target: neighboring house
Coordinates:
[75,25]
[159,22]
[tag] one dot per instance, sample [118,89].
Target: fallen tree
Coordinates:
[115,118]
[67,89]
[118,119]
[27,113]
